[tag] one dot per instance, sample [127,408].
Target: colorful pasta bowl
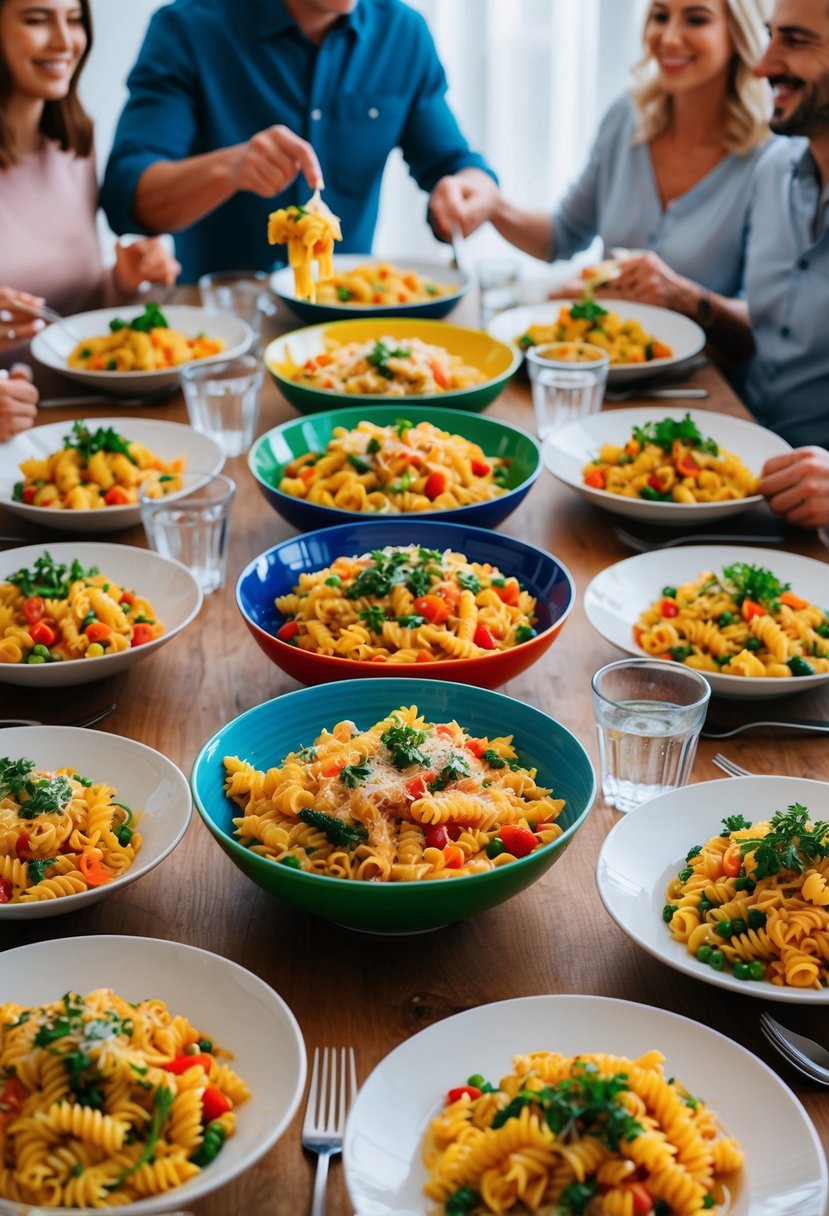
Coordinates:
[495,361]
[250,1020]
[274,451]
[264,735]
[275,573]
[148,783]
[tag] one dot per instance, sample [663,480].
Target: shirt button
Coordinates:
[784,331]
[374,112]
[803,264]
[316,115]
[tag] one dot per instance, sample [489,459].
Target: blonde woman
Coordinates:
[671,169]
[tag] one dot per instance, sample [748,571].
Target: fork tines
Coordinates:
[331,1092]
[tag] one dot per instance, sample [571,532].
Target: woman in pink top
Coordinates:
[49,190]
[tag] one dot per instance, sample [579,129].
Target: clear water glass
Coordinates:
[245,293]
[499,287]
[649,714]
[191,525]
[568,381]
[223,400]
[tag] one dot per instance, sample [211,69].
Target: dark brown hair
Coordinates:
[65,121]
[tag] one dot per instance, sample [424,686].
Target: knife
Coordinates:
[720,730]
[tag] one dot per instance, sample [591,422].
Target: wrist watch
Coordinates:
[704,310]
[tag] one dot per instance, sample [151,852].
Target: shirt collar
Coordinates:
[271,17]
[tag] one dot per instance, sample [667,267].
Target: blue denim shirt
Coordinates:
[211,73]
[786,384]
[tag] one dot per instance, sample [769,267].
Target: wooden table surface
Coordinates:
[373,992]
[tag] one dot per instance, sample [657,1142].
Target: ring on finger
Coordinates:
[11,333]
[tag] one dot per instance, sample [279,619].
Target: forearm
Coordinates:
[724,319]
[171,195]
[531,231]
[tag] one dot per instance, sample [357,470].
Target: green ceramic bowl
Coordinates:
[495,359]
[266,733]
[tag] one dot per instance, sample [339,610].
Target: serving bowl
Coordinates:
[276,572]
[228,1004]
[282,285]
[495,359]
[683,335]
[173,591]
[276,448]
[265,734]
[168,440]
[144,779]
[569,449]
[53,345]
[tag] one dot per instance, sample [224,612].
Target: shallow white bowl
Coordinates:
[145,780]
[648,846]
[169,586]
[384,1136]
[568,450]
[227,1003]
[618,595]
[683,335]
[165,439]
[53,345]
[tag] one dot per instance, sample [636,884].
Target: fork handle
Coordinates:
[320,1183]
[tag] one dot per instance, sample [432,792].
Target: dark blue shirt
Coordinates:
[211,73]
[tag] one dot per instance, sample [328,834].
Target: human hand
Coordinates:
[144,261]
[462,201]
[796,486]
[271,159]
[649,280]
[15,325]
[18,401]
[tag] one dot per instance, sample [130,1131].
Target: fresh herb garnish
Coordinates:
[668,431]
[105,439]
[491,757]
[378,578]
[49,578]
[791,844]
[403,744]
[379,355]
[734,823]
[353,774]
[744,581]
[38,867]
[587,310]
[469,581]
[151,318]
[455,768]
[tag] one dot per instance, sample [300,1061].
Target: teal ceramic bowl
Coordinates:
[278,447]
[266,733]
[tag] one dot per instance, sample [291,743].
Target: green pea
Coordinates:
[41,650]
[205,1045]
[757,969]
[704,954]
[35,658]
[495,847]
[738,926]
[742,971]
[477,1079]
[293,863]
[668,913]
[725,618]
[723,928]
[705,905]
[685,873]
[717,960]
[756,918]
[333,580]
[670,592]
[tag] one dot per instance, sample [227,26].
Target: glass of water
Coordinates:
[499,282]
[648,717]
[223,400]
[190,524]
[568,381]
[245,293]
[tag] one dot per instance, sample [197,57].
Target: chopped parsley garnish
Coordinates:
[357,462]
[151,318]
[105,439]
[38,867]
[666,432]
[790,845]
[734,823]
[374,618]
[344,835]
[36,796]
[491,757]
[403,744]
[379,577]
[49,578]
[744,581]
[455,768]
[306,754]
[587,310]
[401,425]
[373,446]
[353,774]
[379,355]
[411,621]
[469,581]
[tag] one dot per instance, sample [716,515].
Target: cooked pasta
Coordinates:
[310,233]
[104,1101]
[60,833]
[380,283]
[55,612]
[744,622]
[626,341]
[406,605]
[385,470]
[670,461]
[755,900]
[144,344]
[93,470]
[595,1133]
[387,367]
[404,800]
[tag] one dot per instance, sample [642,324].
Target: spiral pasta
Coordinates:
[595,1133]
[310,233]
[403,800]
[104,1101]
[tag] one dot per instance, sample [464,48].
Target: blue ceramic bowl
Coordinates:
[266,733]
[282,285]
[276,572]
[311,433]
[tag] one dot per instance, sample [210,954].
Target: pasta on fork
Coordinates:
[310,233]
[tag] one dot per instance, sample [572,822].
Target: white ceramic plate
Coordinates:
[568,450]
[384,1135]
[53,345]
[648,846]
[166,439]
[618,595]
[683,335]
[282,285]
[227,1003]
[170,587]
[145,780]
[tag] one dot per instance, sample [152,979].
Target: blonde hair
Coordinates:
[748,100]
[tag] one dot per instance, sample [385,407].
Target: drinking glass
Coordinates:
[223,400]
[245,293]
[648,717]
[499,282]
[191,525]
[568,381]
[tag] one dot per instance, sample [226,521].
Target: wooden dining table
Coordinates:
[374,992]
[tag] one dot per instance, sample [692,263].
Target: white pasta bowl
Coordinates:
[225,1002]
[53,345]
[619,594]
[647,848]
[169,440]
[170,587]
[144,780]
[568,450]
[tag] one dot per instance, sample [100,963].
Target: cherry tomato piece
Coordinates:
[463,1091]
[483,638]
[214,1103]
[34,608]
[517,840]
[435,609]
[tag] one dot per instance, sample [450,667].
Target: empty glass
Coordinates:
[568,381]
[245,293]
[648,717]
[191,525]
[223,400]
[499,281]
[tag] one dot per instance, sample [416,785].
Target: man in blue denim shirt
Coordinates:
[231,100]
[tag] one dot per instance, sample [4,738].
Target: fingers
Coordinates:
[273,158]
[447,207]
[18,404]
[796,486]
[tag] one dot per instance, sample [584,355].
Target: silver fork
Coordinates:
[330,1095]
[729,767]
[808,1057]
[88,720]
[644,544]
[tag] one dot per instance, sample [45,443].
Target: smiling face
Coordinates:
[41,43]
[797,66]
[690,43]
